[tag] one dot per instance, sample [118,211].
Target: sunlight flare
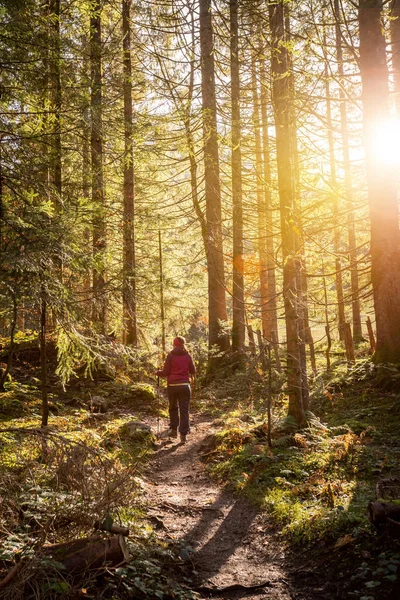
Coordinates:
[386,143]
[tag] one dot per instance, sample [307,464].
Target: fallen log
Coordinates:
[78,558]
[89,554]
[384,515]
[380,511]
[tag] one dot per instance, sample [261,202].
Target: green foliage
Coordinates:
[10,406]
[318,481]
[305,486]
[145,576]
[17,544]
[143,393]
[61,481]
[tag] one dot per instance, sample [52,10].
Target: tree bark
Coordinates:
[238,317]
[300,265]
[371,335]
[348,340]
[129,266]
[86,172]
[252,341]
[271,332]
[261,207]
[43,358]
[2,210]
[395,47]
[56,99]
[382,193]
[351,232]
[55,172]
[191,142]
[281,96]
[335,203]
[98,196]
[162,307]
[4,373]
[327,326]
[217,312]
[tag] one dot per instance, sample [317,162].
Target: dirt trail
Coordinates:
[232,541]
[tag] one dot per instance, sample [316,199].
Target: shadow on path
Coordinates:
[225,531]
[218,542]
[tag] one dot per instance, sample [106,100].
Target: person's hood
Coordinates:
[179,351]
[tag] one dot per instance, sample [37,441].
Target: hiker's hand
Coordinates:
[159,373]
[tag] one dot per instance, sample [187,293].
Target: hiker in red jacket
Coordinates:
[177,369]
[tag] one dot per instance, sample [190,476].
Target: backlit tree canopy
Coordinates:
[206,166]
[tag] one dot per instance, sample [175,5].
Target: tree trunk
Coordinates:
[43,358]
[271,332]
[2,210]
[335,202]
[190,140]
[395,47]
[4,373]
[252,341]
[162,307]
[129,280]
[261,207]
[98,199]
[327,326]
[21,317]
[217,313]
[371,335]
[55,172]
[238,319]
[56,99]
[355,300]
[301,275]
[382,193]
[86,178]
[281,96]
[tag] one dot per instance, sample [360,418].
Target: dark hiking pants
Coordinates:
[179,400]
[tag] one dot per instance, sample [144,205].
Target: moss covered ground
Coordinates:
[316,483]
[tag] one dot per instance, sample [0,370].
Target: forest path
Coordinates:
[231,539]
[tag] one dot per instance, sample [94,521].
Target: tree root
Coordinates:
[235,587]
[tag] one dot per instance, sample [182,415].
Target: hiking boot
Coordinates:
[173,433]
[183,438]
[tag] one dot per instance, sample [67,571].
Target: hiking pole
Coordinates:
[158,406]
[194,400]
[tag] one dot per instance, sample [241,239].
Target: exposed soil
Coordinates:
[234,545]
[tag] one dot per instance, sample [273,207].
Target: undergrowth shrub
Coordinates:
[308,483]
[59,487]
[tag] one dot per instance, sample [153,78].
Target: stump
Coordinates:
[388,489]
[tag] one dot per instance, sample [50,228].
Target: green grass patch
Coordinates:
[317,483]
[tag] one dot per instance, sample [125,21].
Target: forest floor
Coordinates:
[232,548]
[224,516]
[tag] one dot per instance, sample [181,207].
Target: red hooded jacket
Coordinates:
[178,366]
